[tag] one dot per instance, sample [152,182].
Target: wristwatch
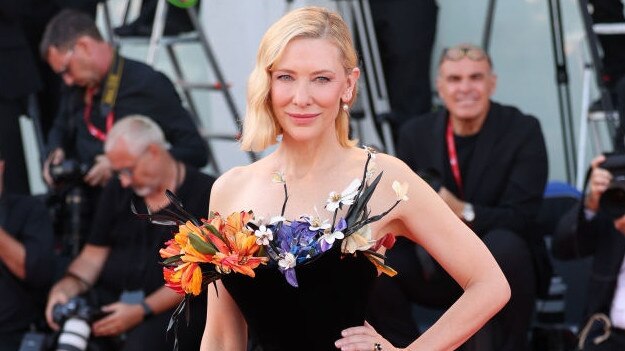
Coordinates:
[147,311]
[468,214]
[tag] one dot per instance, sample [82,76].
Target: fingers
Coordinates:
[108,325]
[100,173]
[54,299]
[619,224]
[600,179]
[596,161]
[56,156]
[363,338]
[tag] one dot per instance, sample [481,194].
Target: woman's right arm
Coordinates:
[225,326]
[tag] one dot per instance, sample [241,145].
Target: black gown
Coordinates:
[332,295]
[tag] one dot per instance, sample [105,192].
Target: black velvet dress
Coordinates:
[332,295]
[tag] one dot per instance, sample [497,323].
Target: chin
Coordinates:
[143,191]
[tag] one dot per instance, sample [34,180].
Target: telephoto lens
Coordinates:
[74,336]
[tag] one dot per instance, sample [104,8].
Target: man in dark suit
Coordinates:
[592,231]
[488,162]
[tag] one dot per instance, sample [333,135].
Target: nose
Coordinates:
[125,180]
[69,81]
[301,95]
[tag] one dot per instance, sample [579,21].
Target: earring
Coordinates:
[345,107]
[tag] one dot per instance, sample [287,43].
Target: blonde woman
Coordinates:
[302,87]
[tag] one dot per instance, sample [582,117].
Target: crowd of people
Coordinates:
[475,171]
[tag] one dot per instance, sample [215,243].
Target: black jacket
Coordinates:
[508,170]
[142,90]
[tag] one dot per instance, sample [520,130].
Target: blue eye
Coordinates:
[285,77]
[322,79]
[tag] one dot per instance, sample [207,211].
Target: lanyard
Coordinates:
[93,130]
[453,157]
[109,96]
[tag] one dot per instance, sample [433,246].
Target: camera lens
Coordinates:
[74,335]
[612,201]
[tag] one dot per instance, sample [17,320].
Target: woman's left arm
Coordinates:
[425,219]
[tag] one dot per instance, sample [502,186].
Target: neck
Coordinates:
[300,159]
[467,126]
[106,53]
[173,176]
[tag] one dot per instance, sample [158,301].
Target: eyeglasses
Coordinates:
[128,172]
[65,68]
[456,53]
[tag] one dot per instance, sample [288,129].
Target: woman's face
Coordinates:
[308,84]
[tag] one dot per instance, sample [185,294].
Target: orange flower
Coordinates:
[191,279]
[227,244]
[241,259]
[172,279]
[172,249]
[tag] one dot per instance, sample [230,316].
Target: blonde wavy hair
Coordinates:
[260,127]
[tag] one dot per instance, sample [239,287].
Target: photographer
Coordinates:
[104,86]
[119,264]
[598,229]
[26,256]
[490,164]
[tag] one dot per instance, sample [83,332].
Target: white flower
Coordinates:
[316,223]
[336,200]
[359,241]
[263,235]
[278,177]
[331,237]
[288,261]
[401,190]
[276,219]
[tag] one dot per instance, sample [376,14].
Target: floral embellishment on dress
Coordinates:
[401,190]
[336,201]
[202,251]
[263,235]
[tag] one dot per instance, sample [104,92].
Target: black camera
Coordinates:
[612,201]
[75,317]
[68,171]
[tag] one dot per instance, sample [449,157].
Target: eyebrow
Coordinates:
[286,70]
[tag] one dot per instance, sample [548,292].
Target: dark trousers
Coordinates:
[11,341]
[611,11]
[422,281]
[405,31]
[613,46]
[616,342]
[147,336]
[15,175]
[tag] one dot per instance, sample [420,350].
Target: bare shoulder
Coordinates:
[230,179]
[393,167]
[229,183]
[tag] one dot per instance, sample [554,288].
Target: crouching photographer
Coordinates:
[26,254]
[119,263]
[597,228]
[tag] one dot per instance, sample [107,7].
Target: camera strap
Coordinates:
[109,97]
[453,157]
